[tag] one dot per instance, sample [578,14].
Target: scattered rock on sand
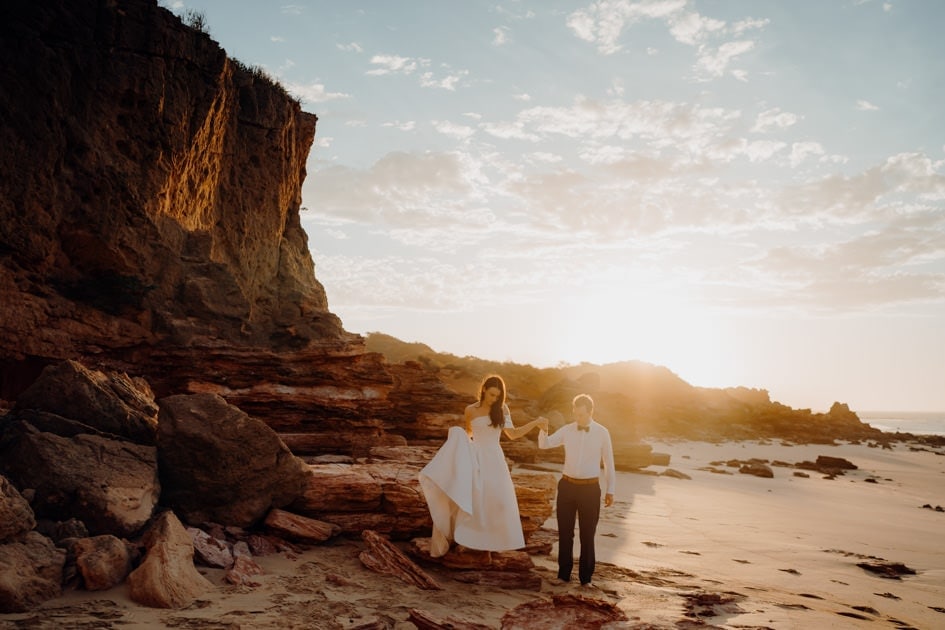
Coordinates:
[889,570]
[563,611]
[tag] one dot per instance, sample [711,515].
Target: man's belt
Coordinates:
[580,482]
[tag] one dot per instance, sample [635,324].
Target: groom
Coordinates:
[586,445]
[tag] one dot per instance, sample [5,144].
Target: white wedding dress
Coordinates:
[470,492]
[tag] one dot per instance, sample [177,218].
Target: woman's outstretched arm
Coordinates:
[516,432]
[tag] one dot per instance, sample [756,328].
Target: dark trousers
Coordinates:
[581,503]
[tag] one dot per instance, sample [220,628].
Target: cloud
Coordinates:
[774,119]
[448,82]
[292,9]
[509,131]
[401,190]
[314,93]
[748,24]
[380,283]
[460,132]
[875,269]
[543,157]
[395,64]
[761,150]
[800,151]
[715,61]
[866,106]
[671,126]
[350,47]
[408,125]
[500,36]
[692,28]
[603,22]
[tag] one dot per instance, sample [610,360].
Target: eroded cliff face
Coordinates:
[150,189]
[149,218]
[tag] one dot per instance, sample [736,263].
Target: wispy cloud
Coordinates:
[408,125]
[773,119]
[350,47]
[866,106]
[449,82]
[395,64]
[693,28]
[315,93]
[715,61]
[603,22]
[453,130]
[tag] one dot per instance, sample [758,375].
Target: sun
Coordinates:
[626,324]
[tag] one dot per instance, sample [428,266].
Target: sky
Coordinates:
[747,192]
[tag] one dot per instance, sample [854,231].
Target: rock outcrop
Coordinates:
[156,199]
[149,224]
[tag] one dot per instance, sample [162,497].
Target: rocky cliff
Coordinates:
[149,217]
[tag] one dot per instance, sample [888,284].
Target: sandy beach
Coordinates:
[721,549]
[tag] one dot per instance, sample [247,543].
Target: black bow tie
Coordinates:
[587,428]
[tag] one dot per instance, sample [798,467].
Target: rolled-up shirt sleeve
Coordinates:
[550,441]
[607,456]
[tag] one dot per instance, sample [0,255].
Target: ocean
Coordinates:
[916,422]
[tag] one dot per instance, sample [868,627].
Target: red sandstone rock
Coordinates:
[103,561]
[30,572]
[383,557]
[424,620]
[210,551]
[110,485]
[167,577]
[299,528]
[563,611]
[220,465]
[16,516]
[244,567]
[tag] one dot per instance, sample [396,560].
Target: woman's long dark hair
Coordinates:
[496,414]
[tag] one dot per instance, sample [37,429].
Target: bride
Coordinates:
[467,484]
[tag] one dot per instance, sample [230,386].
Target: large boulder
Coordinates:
[103,561]
[30,572]
[110,485]
[109,402]
[220,465]
[16,516]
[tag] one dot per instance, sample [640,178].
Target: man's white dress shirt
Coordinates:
[584,451]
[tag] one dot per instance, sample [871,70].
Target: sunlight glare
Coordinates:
[624,324]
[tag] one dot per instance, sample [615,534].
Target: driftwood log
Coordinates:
[383,557]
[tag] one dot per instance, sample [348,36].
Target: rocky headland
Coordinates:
[172,380]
